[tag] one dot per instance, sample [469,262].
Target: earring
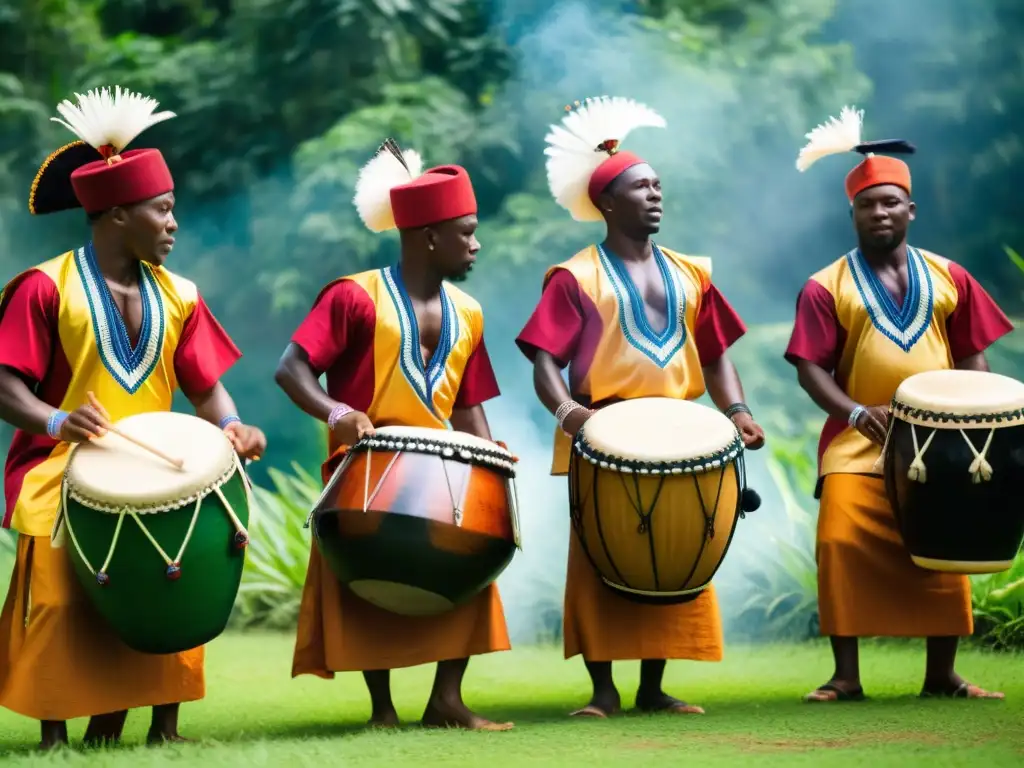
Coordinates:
[430,246]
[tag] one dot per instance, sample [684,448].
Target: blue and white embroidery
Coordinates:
[905,325]
[129,367]
[423,380]
[659,347]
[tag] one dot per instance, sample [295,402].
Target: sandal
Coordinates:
[832,692]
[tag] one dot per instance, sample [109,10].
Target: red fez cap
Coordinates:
[875,170]
[608,171]
[139,174]
[439,194]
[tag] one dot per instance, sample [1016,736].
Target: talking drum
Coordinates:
[953,463]
[158,549]
[417,520]
[656,486]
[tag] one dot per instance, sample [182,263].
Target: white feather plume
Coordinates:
[837,135]
[102,118]
[573,152]
[376,180]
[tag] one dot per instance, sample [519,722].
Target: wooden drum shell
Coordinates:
[407,553]
[949,523]
[673,558]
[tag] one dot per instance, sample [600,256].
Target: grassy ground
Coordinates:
[254,715]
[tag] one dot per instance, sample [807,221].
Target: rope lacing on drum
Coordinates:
[917,472]
[173,565]
[980,469]
[367,496]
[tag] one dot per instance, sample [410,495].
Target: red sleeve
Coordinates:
[816,335]
[338,314]
[719,326]
[28,324]
[479,383]
[205,351]
[977,321]
[557,322]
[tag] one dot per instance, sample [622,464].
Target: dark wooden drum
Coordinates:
[953,465]
[656,487]
[418,521]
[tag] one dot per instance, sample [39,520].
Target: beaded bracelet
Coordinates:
[855,414]
[735,408]
[228,420]
[563,411]
[337,413]
[55,422]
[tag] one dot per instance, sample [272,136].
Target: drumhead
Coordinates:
[110,472]
[961,397]
[659,431]
[445,442]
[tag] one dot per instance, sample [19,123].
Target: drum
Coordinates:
[418,521]
[656,486]
[159,550]
[953,463]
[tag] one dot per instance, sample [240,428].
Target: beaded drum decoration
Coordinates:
[953,462]
[418,521]
[159,550]
[656,487]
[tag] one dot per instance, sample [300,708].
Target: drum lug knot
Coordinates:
[750,501]
[102,579]
[981,470]
[241,540]
[642,528]
[174,571]
[917,472]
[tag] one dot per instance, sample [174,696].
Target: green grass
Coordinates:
[255,715]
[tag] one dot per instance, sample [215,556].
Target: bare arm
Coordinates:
[19,406]
[548,381]
[296,377]
[723,382]
[472,420]
[827,394]
[975,362]
[214,404]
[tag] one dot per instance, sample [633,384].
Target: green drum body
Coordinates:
[159,550]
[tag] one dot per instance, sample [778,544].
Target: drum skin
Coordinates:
[677,551]
[949,523]
[405,554]
[148,611]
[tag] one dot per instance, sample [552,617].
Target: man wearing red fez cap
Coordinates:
[96,334]
[403,347]
[631,319]
[877,315]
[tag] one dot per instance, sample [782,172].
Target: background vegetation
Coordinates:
[280,101]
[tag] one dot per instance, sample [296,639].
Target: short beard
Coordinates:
[882,244]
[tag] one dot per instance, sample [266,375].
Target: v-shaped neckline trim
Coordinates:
[661,347]
[903,325]
[422,376]
[129,365]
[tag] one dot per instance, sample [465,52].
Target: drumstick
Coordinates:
[178,463]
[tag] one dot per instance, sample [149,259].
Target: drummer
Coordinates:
[880,313]
[577,323]
[105,319]
[400,346]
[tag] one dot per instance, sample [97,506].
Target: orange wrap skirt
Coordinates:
[867,584]
[603,626]
[60,661]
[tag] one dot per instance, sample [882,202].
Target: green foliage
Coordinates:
[998,601]
[278,553]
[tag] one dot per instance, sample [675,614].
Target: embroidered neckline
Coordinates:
[129,367]
[659,347]
[422,379]
[904,325]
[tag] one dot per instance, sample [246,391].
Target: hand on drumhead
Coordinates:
[750,431]
[575,420]
[873,423]
[249,441]
[83,424]
[353,427]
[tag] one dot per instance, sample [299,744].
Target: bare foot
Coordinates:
[836,690]
[155,738]
[385,719]
[957,688]
[662,702]
[603,704]
[440,714]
